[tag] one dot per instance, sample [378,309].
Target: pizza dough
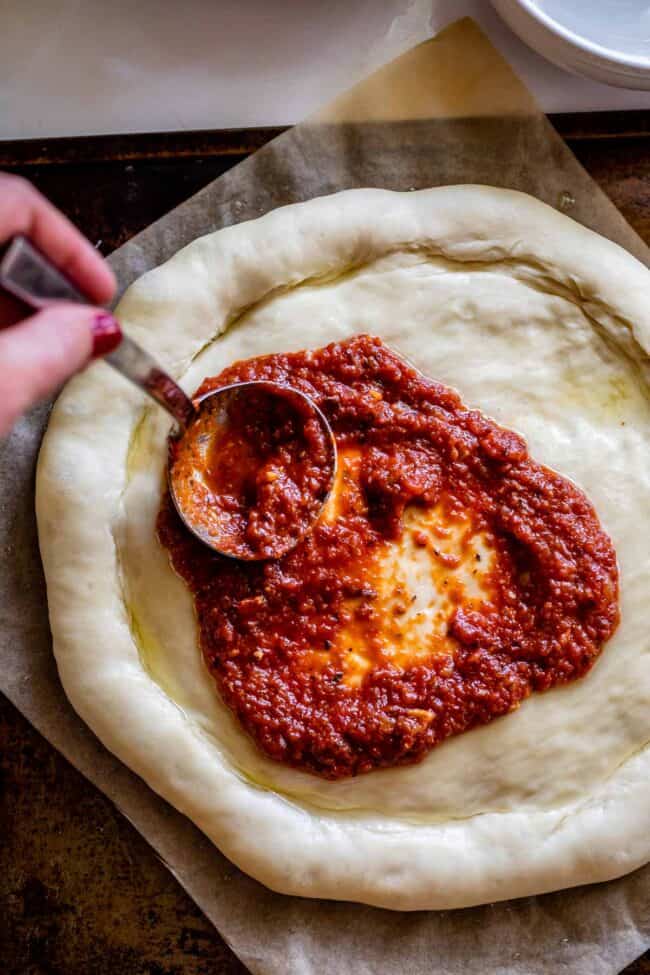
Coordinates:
[536,321]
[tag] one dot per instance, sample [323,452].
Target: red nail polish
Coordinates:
[107,334]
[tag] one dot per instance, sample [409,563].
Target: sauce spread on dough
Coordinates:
[449,577]
[252,471]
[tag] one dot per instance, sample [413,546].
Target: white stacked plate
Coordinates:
[608,40]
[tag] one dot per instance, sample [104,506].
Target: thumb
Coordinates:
[41,352]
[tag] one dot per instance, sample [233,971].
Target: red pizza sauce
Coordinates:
[449,577]
[253,469]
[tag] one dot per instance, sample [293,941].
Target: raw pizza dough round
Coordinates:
[536,321]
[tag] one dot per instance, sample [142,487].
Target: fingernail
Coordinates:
[107,334]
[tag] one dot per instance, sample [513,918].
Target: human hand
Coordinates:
[39,352]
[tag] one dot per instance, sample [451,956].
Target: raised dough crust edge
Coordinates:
[81,474]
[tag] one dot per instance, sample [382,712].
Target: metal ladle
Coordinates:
[28,275]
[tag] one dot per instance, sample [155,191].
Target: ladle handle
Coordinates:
[28,275]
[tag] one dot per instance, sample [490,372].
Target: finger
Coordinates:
[23,210]
[40,353]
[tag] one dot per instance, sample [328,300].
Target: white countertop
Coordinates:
[94,67]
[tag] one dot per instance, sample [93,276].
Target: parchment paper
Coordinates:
[449,111]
